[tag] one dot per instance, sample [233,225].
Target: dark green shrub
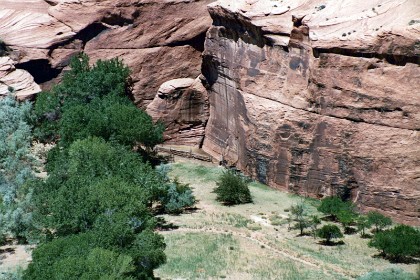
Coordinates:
[333,205]
[378,220]
[329,232]
[347,217]
[82,256]
[397,243]
[232,188]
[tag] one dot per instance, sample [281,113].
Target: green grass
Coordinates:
[265,247]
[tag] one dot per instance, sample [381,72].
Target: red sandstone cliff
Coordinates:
[158,40]
[315,97]
[319,97]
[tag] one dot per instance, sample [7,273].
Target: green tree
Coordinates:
[112,118]
[397,243]
[98,176]
[315,221]
[81,85]
[82,256]
[329,232]
[378,220]
[232,188]
[333,205]
[347,217]
[300,216]
[363,224]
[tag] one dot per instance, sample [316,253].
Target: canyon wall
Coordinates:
[314,97]
[319,97]
[158,40]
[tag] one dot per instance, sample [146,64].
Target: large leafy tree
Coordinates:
[94,209]
[378,220]
[93,101]
[397,243]
[333,205]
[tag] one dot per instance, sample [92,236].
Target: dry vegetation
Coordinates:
[252,241]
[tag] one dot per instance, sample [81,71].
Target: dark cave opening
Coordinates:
[40,69]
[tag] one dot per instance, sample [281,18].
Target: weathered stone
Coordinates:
[18,81]
[316,99]
[182,106]
[160,40]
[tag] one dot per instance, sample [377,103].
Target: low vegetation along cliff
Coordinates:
[314,97]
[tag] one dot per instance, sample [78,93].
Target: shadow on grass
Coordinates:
[331,243]
[163,225]
[160,210]
[398,259]
[350,230]
[305,234]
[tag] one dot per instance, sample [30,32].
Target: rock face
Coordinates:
[18,81]
[182,105]
[319,97]
[158,40]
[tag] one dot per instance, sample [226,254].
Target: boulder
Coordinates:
[182,106]
[18,81]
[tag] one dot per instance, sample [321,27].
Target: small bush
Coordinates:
[178,197]
[329,232]
[232,188]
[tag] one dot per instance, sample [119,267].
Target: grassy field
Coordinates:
[252,241]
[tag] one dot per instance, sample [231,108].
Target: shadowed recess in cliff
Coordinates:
[394,59]
[236,27]
[40,69]
[196,42]
[85,35]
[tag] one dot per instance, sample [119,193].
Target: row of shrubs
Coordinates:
[93,216]
[398,243]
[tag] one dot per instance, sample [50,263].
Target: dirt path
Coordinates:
[13,256]
[283,253]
